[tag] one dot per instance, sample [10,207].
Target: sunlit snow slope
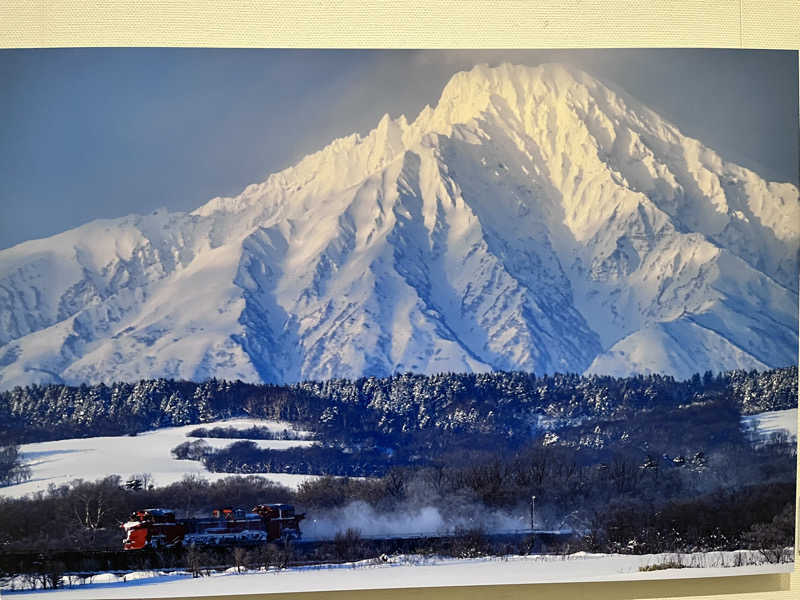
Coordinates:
[534,219]
[62,461]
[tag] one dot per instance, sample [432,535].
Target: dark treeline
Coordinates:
[247,457]
[250,433]
[333,457]
[500,403]
[755,516]
[704,436]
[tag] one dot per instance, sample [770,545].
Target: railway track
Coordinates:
[300,552]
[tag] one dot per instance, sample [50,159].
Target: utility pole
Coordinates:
[533,501]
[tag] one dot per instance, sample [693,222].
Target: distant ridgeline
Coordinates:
[498,405]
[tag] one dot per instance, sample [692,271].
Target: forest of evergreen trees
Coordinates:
[501,403]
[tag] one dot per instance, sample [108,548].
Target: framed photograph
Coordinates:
[461,321]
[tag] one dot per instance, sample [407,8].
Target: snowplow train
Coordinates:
[158,527]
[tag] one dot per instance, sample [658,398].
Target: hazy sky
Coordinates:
[88,133]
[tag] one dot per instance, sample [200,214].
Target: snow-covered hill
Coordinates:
[535,219]
[765,425]
[62,461]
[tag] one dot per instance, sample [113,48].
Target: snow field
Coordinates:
[61,461]
[416,571]
[774,421]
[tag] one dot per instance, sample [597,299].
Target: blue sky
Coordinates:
[88,133]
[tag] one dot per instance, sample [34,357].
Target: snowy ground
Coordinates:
[61,461]
[415,571]
[774,421]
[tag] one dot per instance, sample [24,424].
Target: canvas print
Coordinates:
[277,320]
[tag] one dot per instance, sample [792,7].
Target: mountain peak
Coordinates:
[472,90]
[534,219]
[468,95]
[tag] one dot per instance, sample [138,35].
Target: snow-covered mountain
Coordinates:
[535,219]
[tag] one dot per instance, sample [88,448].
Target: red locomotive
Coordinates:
[158,527]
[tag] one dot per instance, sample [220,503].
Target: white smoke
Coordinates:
[422,520]
[361,516]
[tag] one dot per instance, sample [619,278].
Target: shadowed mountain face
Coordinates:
[535,219]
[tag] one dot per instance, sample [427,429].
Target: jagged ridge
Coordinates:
[534,219]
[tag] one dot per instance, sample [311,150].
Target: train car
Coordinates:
[153,528]
[157,527]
